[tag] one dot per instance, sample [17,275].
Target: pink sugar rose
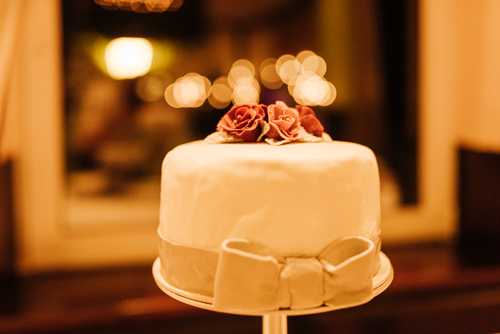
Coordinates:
[243,120]
[309,121]
[284,123]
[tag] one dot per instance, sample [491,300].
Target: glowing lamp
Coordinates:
[128,58]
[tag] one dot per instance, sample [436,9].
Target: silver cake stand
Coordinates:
[275,322]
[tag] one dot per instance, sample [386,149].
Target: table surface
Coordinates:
[433,291]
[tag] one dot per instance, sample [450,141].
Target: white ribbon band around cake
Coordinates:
[246,276]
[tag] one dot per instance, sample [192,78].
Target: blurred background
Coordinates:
[206,56]
[93,94]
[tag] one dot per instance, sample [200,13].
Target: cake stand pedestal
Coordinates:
[274,322]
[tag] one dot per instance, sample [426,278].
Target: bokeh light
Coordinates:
[128,57]
[309,89]
[312,63]
[303,75]
[246,90]
[220,93]
[333,95]
[189,91]
[241,69]
[268,74]
[287,66]
[241,79]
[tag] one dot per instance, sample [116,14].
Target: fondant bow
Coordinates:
[251,277]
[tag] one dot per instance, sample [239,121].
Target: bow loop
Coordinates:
[348,271]
[247,277]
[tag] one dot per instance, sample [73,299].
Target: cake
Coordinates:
[269,213]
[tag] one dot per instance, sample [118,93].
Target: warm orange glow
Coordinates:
[128,58]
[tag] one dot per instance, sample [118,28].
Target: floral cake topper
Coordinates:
[275,124]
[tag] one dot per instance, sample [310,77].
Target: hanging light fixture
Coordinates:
[141,6]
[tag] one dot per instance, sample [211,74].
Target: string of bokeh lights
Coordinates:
[302,74]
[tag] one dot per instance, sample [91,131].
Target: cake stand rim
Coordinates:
[381,282]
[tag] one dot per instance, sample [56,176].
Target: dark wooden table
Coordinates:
[434,291]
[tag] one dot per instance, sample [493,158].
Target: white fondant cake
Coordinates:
[294,198]
[224,205]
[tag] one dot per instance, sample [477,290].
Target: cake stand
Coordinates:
[274,322]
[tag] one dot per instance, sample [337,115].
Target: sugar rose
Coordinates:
[242,121]
[309,121]
[284,123]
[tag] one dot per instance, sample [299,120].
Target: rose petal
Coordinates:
[284,122]
[309,121]
[242,121]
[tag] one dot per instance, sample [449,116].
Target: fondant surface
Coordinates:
[295,198]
